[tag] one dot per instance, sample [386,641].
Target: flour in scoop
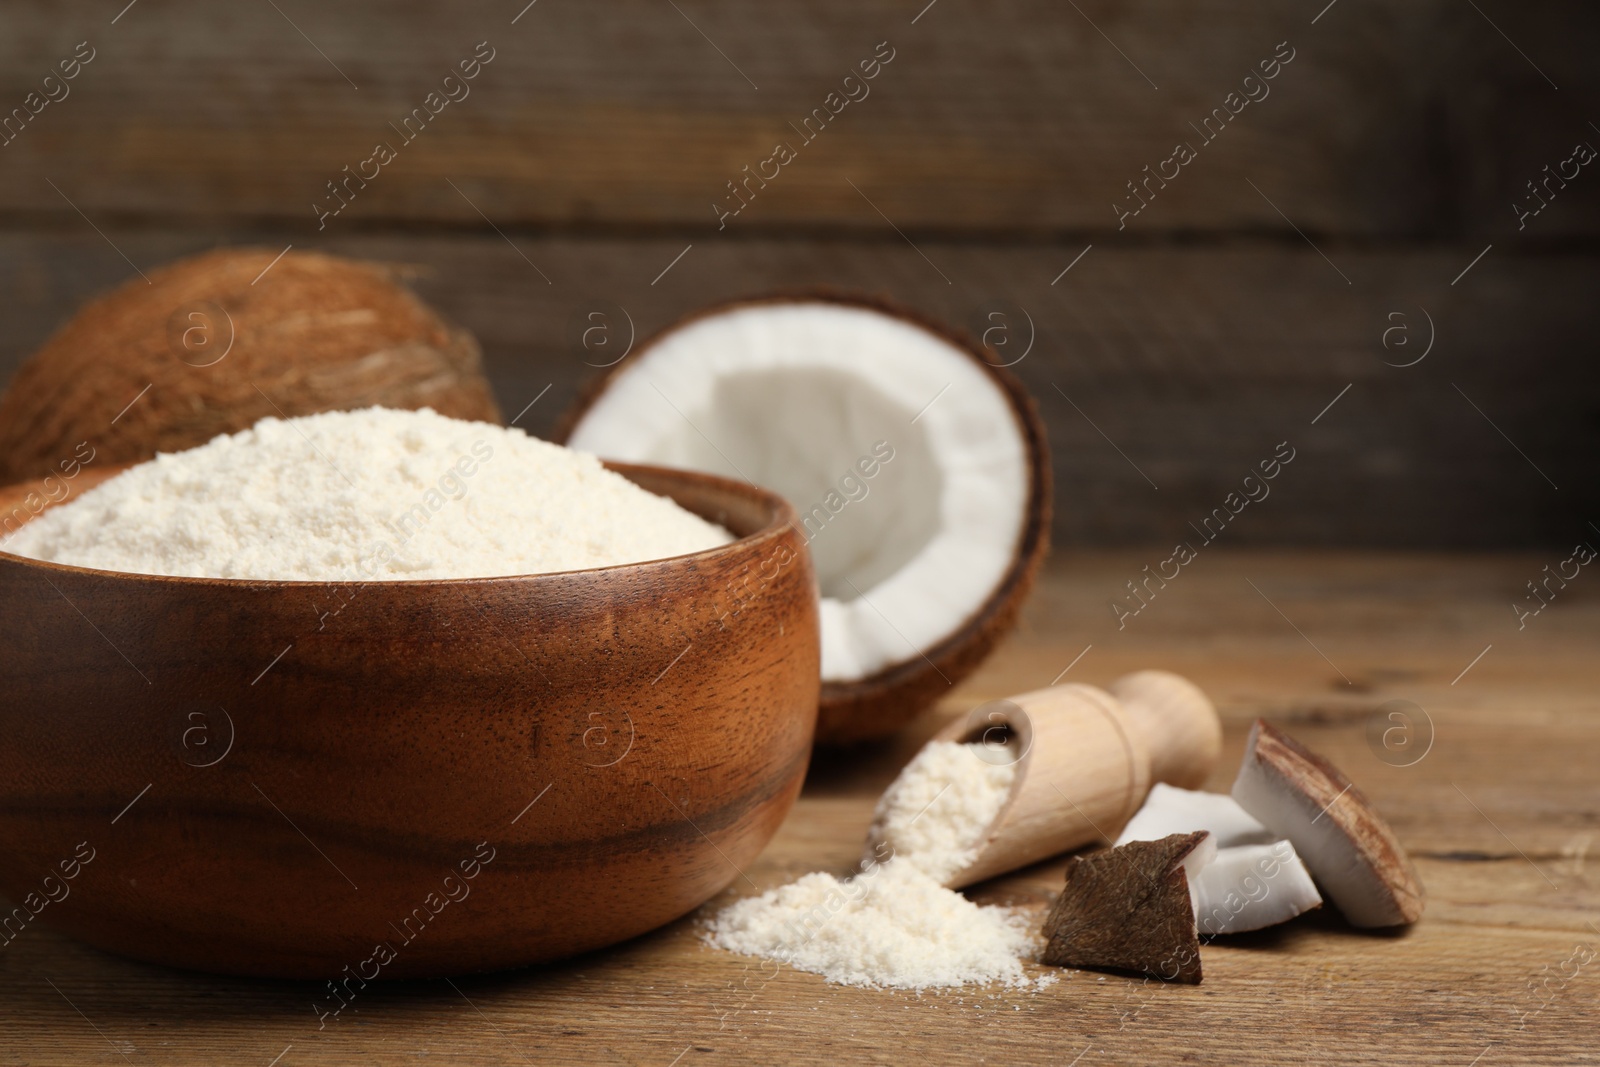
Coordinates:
[937,810]
[894,925]
[370,495]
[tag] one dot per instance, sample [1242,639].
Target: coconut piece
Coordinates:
[1170,810]
[1345,843]
[1249,887]
[1254,881]
[1131,908]
[918,468]
[215,343]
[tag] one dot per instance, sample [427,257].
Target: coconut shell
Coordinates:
[1368,841]
[876,706]
[221,345]
[1128,909]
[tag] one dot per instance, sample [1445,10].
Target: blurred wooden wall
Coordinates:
[1176,352]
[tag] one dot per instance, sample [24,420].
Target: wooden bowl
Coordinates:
[401,779]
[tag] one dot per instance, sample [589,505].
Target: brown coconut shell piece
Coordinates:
[313,333]
[1128,909]
[1346,845]
[876,706]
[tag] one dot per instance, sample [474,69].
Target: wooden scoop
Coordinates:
[1087,759]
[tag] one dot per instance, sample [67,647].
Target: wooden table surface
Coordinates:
[1500,815]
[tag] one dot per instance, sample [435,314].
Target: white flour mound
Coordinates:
[935,813]
[894,925]
[369,495]
[890,926]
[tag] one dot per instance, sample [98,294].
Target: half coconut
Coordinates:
[917,464]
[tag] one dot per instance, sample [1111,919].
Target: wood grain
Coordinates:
[1020,116]
[332,765]
[1500,817]
[1164,375]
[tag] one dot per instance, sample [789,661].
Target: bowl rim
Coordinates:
[782,514]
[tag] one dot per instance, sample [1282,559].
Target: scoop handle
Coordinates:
[1178,722]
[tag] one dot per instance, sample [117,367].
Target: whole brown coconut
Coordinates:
[771,388]
[216,342]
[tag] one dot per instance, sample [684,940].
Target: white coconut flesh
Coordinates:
[1194,865]
[1170,810]
[904,459]
[1250,887]
[1340,867]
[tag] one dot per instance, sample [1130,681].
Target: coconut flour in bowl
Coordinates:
[370,495]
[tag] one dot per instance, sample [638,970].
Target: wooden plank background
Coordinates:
[1222,319]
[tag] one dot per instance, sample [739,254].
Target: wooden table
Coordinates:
[1500,815]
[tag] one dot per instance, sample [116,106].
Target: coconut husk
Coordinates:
[211,344]
[1128,909]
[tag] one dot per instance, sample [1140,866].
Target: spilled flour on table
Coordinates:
[893,925]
